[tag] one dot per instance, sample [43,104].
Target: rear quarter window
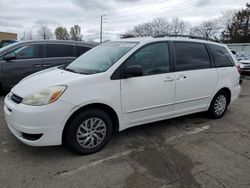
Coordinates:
[191,56]
[221,56]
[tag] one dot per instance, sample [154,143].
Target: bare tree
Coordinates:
[160,26]
[61,33]
[143,30]
[45,33]
[227,18]
[128,34]
[155,27]
[75,33]
[30,35]
[178,26]
[27,35]
[207,29]
[24,36]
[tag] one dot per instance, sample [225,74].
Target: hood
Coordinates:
[44,79]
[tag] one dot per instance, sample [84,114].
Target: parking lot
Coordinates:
[191,151]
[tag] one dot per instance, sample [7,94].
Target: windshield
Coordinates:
[100,58]
[6,47]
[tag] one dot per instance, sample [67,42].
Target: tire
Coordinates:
[219,104]
[89,131]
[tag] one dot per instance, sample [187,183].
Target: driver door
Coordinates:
[149,97]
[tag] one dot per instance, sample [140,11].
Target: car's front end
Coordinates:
[38,107]
[35,125]
[34,110]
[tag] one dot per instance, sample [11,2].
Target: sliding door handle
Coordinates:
[169,79]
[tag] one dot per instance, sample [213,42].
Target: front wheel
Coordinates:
[89,131]
[219,105]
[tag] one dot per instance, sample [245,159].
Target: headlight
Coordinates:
[45,96]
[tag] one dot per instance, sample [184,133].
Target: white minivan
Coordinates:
[118,85]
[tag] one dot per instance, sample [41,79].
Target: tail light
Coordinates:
[239,69]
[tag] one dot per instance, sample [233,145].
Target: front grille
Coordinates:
[16,98]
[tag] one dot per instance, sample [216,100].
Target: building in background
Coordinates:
[6,38]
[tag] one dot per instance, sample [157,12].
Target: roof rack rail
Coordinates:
[187,36]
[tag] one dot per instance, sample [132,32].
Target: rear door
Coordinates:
[58,54]
[196,79]
[28,60]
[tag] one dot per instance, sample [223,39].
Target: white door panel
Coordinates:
[194,89]
[147,98]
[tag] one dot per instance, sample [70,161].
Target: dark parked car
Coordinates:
[21,59]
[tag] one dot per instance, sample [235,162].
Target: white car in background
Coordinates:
[245,67]
[118,85]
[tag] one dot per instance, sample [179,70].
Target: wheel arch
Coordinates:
[111,112]
[227,91]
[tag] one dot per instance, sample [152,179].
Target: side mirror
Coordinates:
[9,57]
[133,71]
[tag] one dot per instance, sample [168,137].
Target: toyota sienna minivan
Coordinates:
[118,85]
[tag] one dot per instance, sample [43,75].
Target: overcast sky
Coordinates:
[22,15]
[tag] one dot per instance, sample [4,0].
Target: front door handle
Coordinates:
[169,79]
[38,65]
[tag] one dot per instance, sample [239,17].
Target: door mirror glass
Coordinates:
[133,71]
[10,56]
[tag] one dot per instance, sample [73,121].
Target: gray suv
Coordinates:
[21,59]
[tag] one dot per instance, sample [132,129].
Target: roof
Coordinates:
[78,43]
[152,39]
[88,44]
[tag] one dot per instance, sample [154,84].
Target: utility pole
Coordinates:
[102,16]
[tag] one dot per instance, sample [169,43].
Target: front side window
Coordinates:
[59,50]
[28,52]
[191,56]
[154,59]
[100,58]
[222,57]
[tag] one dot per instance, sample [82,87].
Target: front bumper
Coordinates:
[46,121]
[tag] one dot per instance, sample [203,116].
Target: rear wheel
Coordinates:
[219,105]
[89,132]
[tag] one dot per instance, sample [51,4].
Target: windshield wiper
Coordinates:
[71,70]
[84,71]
